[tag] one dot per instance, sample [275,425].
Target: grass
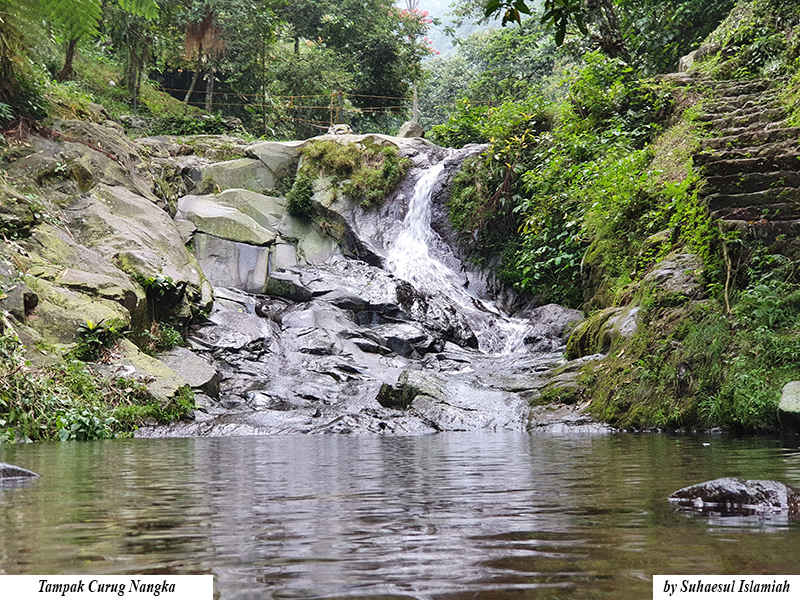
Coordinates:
[69,400]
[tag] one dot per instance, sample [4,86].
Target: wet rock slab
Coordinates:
[739,497]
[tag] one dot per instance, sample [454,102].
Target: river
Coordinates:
[450,516]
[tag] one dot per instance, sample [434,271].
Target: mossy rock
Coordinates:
[599,333]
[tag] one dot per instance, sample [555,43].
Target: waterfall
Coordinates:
[410,258]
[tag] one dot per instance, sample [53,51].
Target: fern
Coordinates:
[76,18]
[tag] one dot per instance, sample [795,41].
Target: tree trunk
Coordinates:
[210,88]
[190,91]
[297,44]
[66,73]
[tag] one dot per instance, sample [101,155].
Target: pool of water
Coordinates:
[455,516]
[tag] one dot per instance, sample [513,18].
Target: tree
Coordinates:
[650,34]
[75,19]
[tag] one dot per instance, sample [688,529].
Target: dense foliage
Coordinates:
[588,184]
[285,69]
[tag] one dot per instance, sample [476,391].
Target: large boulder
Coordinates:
[248,173]
[677,273]
[139,238]
[196,370]
[739,497]
[280,158]
[789,407]
[61,311]
[57,257]
[161,381]
[226,222]
[411,129]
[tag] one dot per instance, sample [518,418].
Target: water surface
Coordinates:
[455,516]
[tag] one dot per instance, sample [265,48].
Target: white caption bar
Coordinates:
[100,587]
[726,587]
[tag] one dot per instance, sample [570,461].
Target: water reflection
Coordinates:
[449,516]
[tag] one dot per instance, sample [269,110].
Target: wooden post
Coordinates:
[415,104]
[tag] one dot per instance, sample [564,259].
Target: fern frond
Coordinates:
[74,18]
[141,8]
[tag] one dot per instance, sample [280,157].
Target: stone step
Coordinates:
[762,164]
[751,137]
[763,227]
[748,118]
[708,116]
[744,102]
[769,126]
[764,199]
[740,88]
[740,183]
[774,149]
[769,213]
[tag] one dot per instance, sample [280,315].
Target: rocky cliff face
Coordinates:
[294,325]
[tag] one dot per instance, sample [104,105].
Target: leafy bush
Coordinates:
[160,337]
[299,197]
[481,124]
[85,424]
[93,338]
[68,400]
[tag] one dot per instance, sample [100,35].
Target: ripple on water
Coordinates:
[440,517]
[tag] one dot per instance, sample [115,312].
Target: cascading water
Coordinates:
[411,259]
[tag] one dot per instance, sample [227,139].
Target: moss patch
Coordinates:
[367,171]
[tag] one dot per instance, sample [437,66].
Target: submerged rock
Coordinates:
[13,472]
[731,496]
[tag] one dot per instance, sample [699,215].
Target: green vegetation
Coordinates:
[270,67]
[366,171]
[68,400]
[593,185]
[93,338]
[299,197]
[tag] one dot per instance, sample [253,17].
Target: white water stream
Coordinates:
[410,258]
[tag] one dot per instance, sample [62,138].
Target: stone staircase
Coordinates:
[751,160]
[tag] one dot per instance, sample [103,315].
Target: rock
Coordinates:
[13,472]
[340,129]
[740,497]
[406,339]
[60,311]
[448,404]
[411,129]
[677,274]
[789,407]
[232,264]
[551,324]
[139,238]
[245,173]
[57,257]
[598,333]
[19,300]
[197,371]
[280,158]
[128,361]
[379,296]
[232,330]
[687,62]
[226,222]
[289,285]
